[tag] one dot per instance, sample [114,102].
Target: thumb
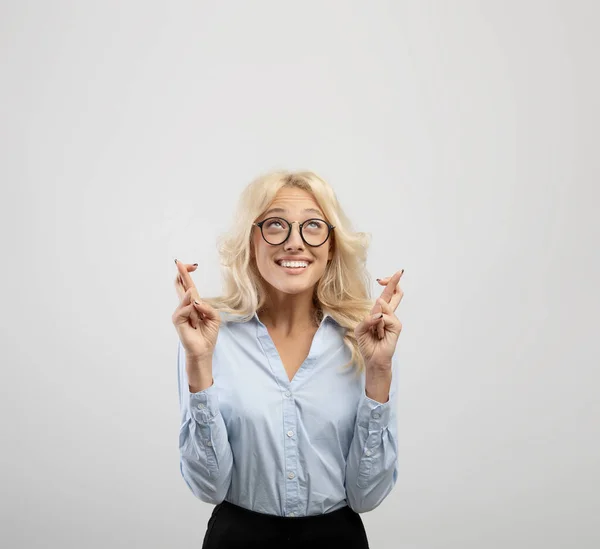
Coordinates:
[367,323]
[206,310]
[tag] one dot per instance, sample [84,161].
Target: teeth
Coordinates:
[293,263]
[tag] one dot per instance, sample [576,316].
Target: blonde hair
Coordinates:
[343,290]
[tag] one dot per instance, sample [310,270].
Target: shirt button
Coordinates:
[291,475]
[290,433]
[376,415]
[201,406]
[368,452]
[208,443]
[290,514]
[288,394]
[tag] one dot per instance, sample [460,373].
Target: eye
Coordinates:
[273,223]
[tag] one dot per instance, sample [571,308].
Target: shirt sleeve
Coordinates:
[206,460]
[371,466]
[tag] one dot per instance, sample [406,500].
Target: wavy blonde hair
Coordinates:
[343,290]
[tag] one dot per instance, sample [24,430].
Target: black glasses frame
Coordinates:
[300,225]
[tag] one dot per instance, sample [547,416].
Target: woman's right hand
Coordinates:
[196,323]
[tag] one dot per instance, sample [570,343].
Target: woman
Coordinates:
[288,412]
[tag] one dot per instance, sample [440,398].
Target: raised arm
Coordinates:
[206,460]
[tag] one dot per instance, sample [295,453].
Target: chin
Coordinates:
[290,287]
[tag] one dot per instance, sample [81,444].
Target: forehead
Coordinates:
[294,201]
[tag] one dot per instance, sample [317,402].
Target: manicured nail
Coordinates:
[376,316]
[175,262]
[402,272]
[378,280]
[195,264]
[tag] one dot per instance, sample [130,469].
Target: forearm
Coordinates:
[206,456]
[371,466]
[372,460]
[199,373]
[378,383]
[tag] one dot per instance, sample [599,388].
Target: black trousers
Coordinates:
[233,527]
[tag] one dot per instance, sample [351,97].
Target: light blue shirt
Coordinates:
[305,447]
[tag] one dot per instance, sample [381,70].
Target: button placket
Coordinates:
[291,454]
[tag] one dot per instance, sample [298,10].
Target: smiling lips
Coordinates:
[293,267]
[284,263]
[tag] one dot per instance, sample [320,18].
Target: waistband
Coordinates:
[295,519]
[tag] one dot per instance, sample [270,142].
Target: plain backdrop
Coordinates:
[461,135]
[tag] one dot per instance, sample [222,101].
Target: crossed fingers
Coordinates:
[392,293]
[389,299]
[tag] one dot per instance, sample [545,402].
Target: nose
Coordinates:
[295,240]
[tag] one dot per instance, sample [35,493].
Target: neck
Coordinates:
[289,313]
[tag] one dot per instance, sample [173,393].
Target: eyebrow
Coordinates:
[283,210]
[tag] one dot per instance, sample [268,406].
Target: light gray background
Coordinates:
[461,135]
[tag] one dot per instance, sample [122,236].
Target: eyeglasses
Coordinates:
[276,230]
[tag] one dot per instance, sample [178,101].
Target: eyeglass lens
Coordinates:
[276,229]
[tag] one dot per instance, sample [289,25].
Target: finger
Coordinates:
[186,305]
[179,287]
[381,329]
[367,323]
[391,323]
[394,301]
[378,307]
[386,309]
[388,291]
[397,297]
[190,268]
[182,314]
[206,310]
[187,300]
[186,279]
[385,280]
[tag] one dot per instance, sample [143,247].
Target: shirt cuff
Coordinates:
[204,405]
[373,415]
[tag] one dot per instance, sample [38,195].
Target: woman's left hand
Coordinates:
[378,333]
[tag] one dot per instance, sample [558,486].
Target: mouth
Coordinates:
[293,267]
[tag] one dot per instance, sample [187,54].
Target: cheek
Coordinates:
[262,257]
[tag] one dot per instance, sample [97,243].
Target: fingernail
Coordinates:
[195,264]
[175,262]
[376,316]
[379,279]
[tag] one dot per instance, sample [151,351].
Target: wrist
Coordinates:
[193,362]
[199,374]
[379,368]
[377,384]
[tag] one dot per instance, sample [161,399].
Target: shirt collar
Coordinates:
[326,318]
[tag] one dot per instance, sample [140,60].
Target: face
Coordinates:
[293,205]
